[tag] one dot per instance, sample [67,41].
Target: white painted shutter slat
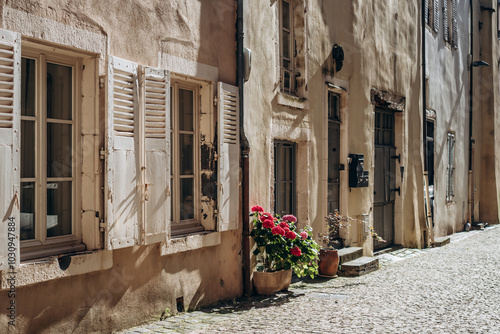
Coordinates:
[229,157]
[454,27]
[426,11]
[436,15]
[10,123]
[445,21]
[155,113]
[123,200]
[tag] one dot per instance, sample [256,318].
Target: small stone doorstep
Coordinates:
[349,254]
[441,241]
[358,267]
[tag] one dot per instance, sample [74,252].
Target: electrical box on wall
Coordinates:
[358,177]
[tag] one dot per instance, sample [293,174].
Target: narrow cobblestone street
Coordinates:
[453,289]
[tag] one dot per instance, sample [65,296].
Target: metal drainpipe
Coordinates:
[424,110]
[245,154]
[471,181]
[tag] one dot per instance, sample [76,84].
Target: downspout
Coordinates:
[471,181]
[424,123]
[245,154]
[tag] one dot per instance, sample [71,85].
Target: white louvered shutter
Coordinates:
[454,24]
[10,123]
[426,10]
[155,117]
[123,176]
[445,21]
[229,157]
[436,15]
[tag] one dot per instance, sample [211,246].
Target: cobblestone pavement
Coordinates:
[452,289]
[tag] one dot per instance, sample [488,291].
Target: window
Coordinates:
[284,178]
[434,13]
[450,25]
[49,150]
[450,167]
[185,168]
[287,49]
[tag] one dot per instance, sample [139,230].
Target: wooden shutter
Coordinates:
[445,21]
[155,118]
[436,15]
[454,24]
[123,176]
[229,157]
[426,11]
[10,123]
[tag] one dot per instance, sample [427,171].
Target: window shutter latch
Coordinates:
[102,153]
[102,225]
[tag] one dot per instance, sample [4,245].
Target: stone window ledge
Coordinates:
[190,242]
[292,101]
[54,267]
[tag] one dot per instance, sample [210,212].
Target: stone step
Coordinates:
[441,241]
[349,253]
[360,266]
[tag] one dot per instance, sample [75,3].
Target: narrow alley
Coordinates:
[453,289]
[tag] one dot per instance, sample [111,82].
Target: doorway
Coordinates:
[284,178]
[385,177]
[333,200]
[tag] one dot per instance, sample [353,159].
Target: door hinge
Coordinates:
[102,153]
[216,100]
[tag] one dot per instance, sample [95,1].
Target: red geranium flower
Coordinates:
[278,230]
[268,223]
[257,208]
[290,218]
[304,235]
[265,216]
[291,235]
[286,229]
[284,225]
[296,251]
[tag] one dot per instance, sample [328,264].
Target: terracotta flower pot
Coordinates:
[267,283]
[328,262]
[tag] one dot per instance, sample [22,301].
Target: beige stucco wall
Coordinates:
[380,42]
[100,293]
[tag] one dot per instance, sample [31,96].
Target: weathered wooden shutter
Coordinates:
[123,176]
[436,15]
[10,123]
[426,11]
[454,24]
[155,118]
[445,21]
[229,157]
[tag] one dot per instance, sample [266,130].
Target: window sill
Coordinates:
[190,242]
[46,269]
[292,101]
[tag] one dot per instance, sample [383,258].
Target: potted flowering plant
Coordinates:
[281,249]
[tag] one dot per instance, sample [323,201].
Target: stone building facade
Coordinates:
[122,189]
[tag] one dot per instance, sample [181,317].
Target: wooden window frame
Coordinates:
[194,225]
[283,70]
[40,246]
[450,168]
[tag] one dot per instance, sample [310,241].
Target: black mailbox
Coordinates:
[358,177]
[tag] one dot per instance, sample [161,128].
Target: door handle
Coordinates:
[398,189]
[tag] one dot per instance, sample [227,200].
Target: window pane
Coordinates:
[186,154]
[59,208]
[186,110]
[27,210]
[285,15]
[59,150]
[187,200]
[59,91]
[286,45]
[28,87]
[27,149]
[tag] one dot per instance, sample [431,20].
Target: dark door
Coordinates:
[284,178]
[385,182]
[333,152]
[430,164]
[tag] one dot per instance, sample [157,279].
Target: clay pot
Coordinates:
[328,262]
[267,283]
